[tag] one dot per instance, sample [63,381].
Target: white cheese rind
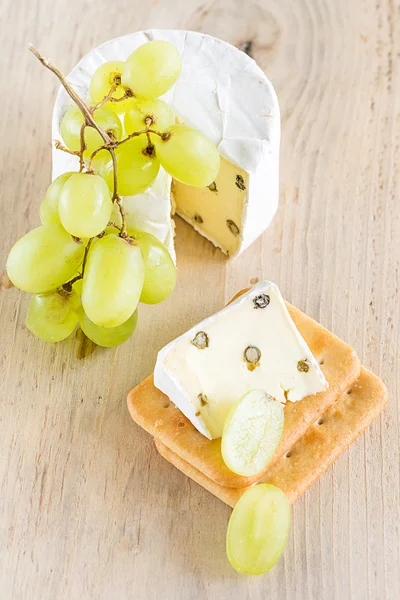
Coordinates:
[222,92]
[219,371]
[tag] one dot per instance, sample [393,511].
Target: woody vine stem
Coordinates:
[110,143]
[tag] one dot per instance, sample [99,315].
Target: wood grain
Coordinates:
[88,509]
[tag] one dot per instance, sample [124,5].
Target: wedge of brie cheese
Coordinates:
[223,93]
[251,344]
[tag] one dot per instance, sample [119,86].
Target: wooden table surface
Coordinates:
[88,509]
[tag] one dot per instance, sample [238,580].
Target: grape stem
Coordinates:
[59,146]
[109,98]
[86,255]
[83,148]
[128,94]
[68,285]
[105,99]
[89,121]
[112,224]
[94,153]
[142,132]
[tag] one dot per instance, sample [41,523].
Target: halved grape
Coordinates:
[44,259]
[189,156]
[159,112]
[108,336]
[104,78]
[252,433]
[72,122]
[159,269]
[85,205]
[113,280]
[152,69]
[135,168]
[214,414]
[53,317]
[258,529]
[49,205]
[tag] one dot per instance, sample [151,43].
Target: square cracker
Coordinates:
[151,409]
[315,451]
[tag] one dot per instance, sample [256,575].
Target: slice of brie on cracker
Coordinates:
[223,93]
[251,344]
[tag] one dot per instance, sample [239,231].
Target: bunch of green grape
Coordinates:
[79,266]
[128,93]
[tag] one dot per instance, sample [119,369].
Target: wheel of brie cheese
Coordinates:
[223,93]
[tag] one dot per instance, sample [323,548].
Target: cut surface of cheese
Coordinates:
[217,210]
[223,93]
[251,344]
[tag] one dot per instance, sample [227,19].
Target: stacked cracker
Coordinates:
[317,429]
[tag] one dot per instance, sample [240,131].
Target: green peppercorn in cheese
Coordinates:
[216,211]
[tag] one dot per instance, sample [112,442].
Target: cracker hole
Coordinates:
[288,454]
[167,403]
[180,424]
[321,362]
[349,391]
[320,421]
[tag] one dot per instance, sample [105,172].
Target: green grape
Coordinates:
[53,317]
[252,433]
[136,170]
[72,122]
[108,336]
[77,286]
[258,529]
[106,76]
[189,156]
[115,217]
[85,205]
[160,113]
[113,281]
[152,69]
[49,205]
[44,259]
[159,270]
